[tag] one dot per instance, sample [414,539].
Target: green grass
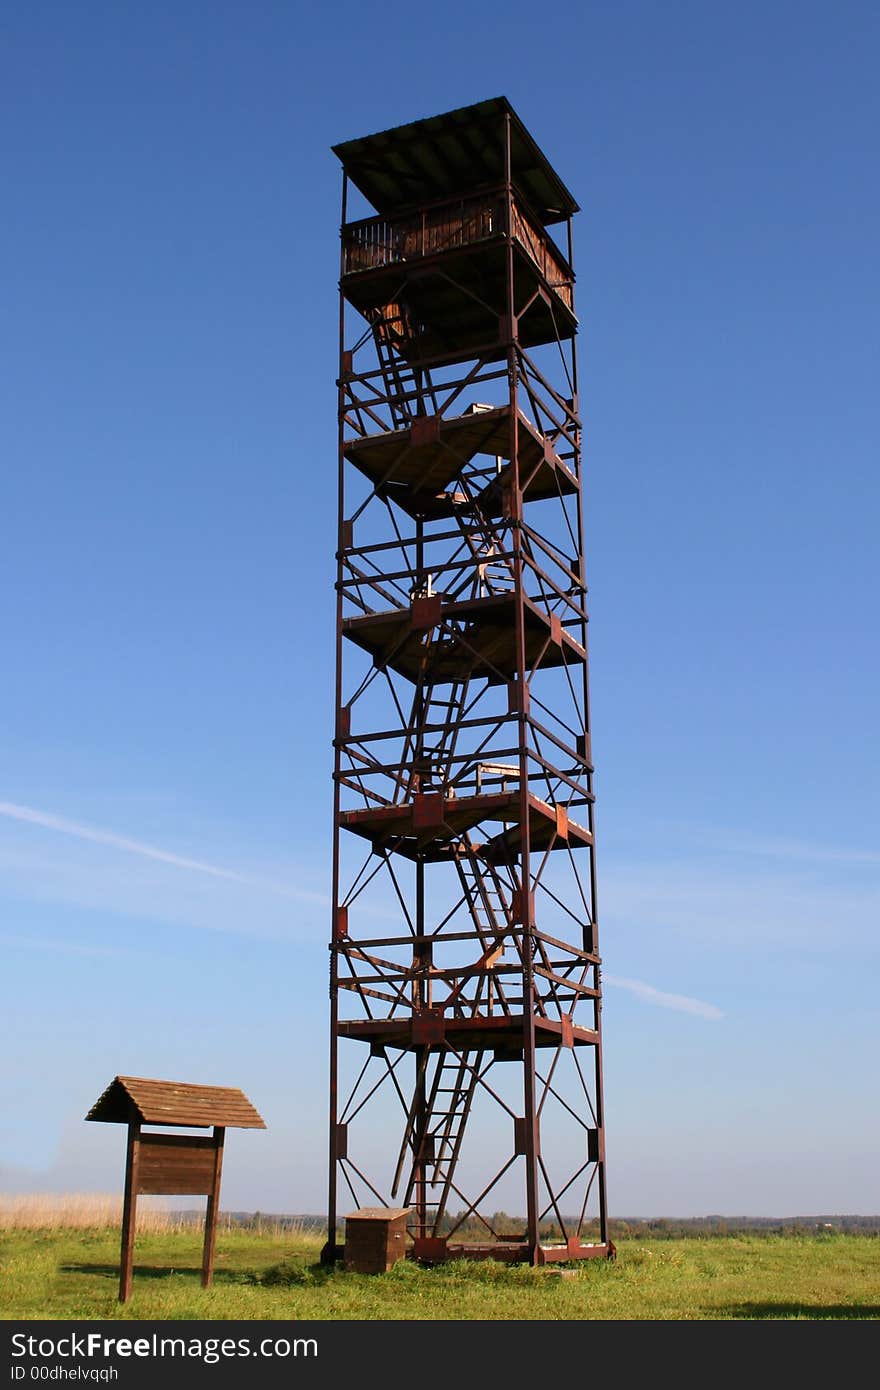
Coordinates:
[74,1273]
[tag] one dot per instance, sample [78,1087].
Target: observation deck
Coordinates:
[436,256]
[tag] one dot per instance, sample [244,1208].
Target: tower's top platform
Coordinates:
[457,152]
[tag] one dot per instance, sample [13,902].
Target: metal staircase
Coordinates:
[434,759]
[436,1151]
[407,388]
[490,575]
[486,898]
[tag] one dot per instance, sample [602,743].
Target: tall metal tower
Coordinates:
[466,1054]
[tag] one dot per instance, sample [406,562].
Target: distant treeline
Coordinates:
[657,1227]
[675,1227]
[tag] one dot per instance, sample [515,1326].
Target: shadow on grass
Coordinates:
[803,1310]
[279,1275]
[140,1271]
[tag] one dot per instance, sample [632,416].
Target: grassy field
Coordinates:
[70,1272]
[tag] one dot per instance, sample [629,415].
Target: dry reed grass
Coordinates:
[53,1211]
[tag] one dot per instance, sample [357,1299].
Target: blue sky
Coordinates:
[167,519]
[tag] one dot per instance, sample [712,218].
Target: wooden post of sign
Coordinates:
[129,1210]
[211,1210]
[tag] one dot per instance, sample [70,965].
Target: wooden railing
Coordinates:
[544,254]
[380,241]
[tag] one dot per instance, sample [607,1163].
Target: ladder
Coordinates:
[437,1150]
[489,575]
[434,760]
[405,387]
[487,900]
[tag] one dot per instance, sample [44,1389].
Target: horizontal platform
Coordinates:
[478,640]
[459,299]
[438,1251]
[415,467]
[498,1033]
[429,826]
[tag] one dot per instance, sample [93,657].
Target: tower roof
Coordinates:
[453,153]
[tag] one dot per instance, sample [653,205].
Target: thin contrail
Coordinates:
[108,837]
[682,1003]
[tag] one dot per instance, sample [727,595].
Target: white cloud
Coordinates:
[780,847]
[714,901]
[681,1003]
[68,948]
